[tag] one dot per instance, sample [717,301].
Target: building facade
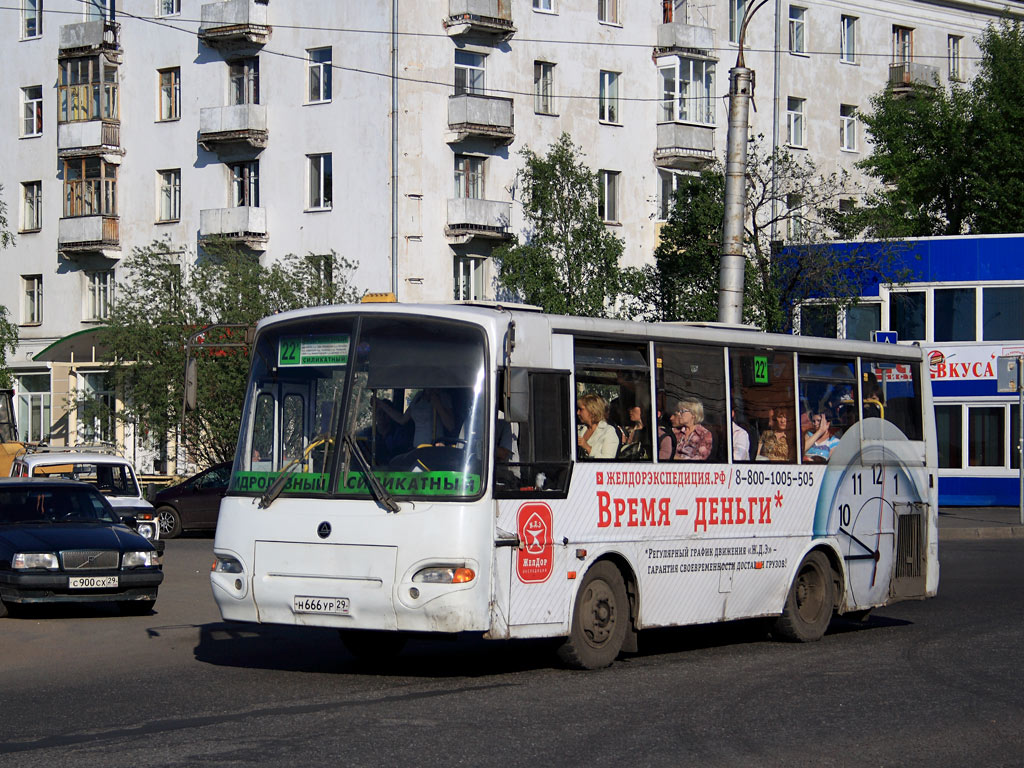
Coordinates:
[389,132]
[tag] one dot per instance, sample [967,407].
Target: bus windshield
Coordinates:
[333,400]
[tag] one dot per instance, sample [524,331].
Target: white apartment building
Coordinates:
[388,131]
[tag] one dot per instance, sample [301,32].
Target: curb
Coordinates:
[978,534]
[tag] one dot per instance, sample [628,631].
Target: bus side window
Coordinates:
[690,390]
[761,383]
[263,434]
[892,392]
[828,404]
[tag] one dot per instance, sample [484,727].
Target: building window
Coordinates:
[31,206]
[244,78]
[797,29]
[543,88]
[31,18]
[949,435]
[818,320]
[99,294]
[902,45]
[608,102]
[87,90]
[608,11]
[737,10]
[96,408]
[98,10]
[907,315]
[469,73]
[795,122]
[1003,313]
[953,314]
[169,208]
[668,183]
[848,39]
[608,196]
[544,5]
[319,65]
[245,183]
[469,177]
[90,187]
[34,408]
[168,7]
[985,436]
[170,93]
[31,299]
[469,278]
[848,127]
[321,181]
[688,91]
[795,218]
[862,319]
[32,111]
[953,56]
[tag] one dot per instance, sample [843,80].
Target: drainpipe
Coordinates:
[394,148]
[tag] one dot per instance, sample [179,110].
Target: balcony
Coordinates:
[482,18]
[240,127]
[89,37]
[83,235]
[89,137]
[904,75]
[685,146]
[474,115]
[244,225]
[677,36]
[469,218]
[234,23]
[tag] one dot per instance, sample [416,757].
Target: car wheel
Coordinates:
[170,522]
[136,607]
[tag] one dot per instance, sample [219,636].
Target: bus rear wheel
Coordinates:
[809,603]
[372,646]
[600,618]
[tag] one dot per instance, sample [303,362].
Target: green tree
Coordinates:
[8,329]
[161,304]
[793,212]
[568,262]
[950,159]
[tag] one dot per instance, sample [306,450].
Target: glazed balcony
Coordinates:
[89,137]
[482,18]
[245,225]
[87,235]
[234,23]
[239,127]
[684,146]
[470,217]
[473,115]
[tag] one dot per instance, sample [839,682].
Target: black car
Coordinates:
[62,542]
[194,503]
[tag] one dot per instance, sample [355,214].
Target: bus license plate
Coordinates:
[337,606]
[92,582]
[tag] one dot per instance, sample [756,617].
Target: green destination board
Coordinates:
[328,349]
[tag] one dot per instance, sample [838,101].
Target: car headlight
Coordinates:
[445,575]
[141,559]
[26,560]
[226,564]
[146,530]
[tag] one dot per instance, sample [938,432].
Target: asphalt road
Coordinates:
[933,683]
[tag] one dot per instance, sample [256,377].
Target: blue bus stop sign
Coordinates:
[885,337]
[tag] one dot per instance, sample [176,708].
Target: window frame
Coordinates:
[244,184]
[168,94]
[848,128]
[798,30]
[320,171]
[243,81]
[469,177]
[902,44]
[97,10]
[99,295]
[29,400]
[168,195]
[86,192]
[474,74]
[322,70]
[163,5]
[675,98]
[468,277]
[608,196]
[31,26]
[608,12]
[31,300]
[31,219]
[31,112]
[737,12]
[543,88]
[668,181]
[796,129]
[848,38]
[608,97]
[544,6]
[954,57]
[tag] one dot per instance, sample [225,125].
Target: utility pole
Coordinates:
[730,277]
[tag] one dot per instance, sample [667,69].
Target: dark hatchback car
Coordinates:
[194,503]
[62,542]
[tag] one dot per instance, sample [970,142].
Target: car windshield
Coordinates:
[109,479]
[408,393]
[53,505]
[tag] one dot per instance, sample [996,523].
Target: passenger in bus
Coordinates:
[874,405]
[740,440]
[636,439]
[390,438]
[596,437]
[666,438]
[693,439]
[431,414]
[774,443]
[819,440]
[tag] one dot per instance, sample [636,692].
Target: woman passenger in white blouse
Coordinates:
[597,438]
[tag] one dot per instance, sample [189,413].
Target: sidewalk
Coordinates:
[966,523]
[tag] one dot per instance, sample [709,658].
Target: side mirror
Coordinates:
[518,406]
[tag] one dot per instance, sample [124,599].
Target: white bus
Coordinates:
[406,469]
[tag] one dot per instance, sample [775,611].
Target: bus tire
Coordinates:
[371,645]
[809,603]
[600,618]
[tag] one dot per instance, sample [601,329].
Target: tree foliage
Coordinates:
[162,302]
[8,329]
[951,158]
[569,261]
[791,214]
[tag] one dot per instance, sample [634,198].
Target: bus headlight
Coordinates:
[226,564]
[445,575]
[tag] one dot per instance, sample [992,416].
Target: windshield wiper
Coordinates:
[377,489]
[282,479]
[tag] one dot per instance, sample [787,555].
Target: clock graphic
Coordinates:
[868,482]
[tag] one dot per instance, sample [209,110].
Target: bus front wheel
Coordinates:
[809,603]
[599,619]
